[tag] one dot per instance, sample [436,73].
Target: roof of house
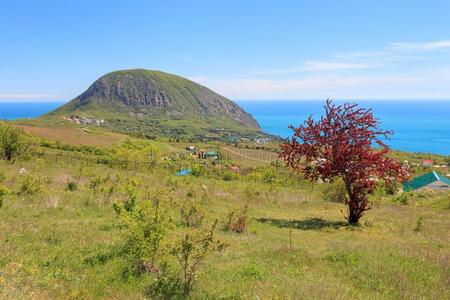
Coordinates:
[427,161]
[424,180]
[211,152]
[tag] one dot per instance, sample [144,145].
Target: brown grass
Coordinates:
[74,136]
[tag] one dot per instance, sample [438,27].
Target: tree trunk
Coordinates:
[356,204]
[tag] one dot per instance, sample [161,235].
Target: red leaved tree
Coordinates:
[340,144]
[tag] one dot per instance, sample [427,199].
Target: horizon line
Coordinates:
[31,100]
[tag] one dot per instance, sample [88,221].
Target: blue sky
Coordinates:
[243,49]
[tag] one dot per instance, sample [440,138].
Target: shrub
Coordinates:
[264,174]
[2,175]
[251,192]
[71,186]
[165,285]
[228,176]
[191,211]
[3,192]
[237,220]
[12,143]
[147,226]
[268,175]
[130,203]
[191,250]
[402,199]
[197,170]
[334,191]
[31,185]
[96,183]
[391,188]
[419,224]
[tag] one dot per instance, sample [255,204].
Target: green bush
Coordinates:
[402,199]
[3,192]
[191,211]
[97,183]
[147,226]
[71,186]
[228,176]
[191,251]
[264,174]
[419,224]
[197,170]
[334,191]
[31,185]
[268,175]
[12,143]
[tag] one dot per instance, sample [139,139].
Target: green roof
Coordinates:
[424,180]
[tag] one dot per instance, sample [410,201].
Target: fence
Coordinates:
[250,156]
[70,157]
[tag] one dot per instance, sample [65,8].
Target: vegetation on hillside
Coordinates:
[156,104]
[133,229]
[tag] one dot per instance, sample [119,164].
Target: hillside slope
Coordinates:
[159,103]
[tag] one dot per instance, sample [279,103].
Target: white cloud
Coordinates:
[330,65]
[30,97]
[393,53]
[425,85]
[314,65]
[421,46]
[389,73]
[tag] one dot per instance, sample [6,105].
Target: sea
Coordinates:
[418,125]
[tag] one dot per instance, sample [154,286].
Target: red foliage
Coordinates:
[341,144]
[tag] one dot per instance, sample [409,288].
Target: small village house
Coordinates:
[427,163]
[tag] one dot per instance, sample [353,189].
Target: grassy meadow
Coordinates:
[60,236]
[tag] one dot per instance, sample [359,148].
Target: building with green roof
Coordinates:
[432,180]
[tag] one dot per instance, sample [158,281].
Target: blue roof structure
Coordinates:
[425,180]
[184,172]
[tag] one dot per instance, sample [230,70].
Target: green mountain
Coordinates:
[155,103]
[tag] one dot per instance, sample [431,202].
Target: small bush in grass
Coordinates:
[268,175]
[228,176]
[147,225]
[3,192]
[237,220]
[197,170]
[191,250]
[264,174]
[191,211]
[402,199]
[71,186]
[2,176]
[31,185]
[165,285]
[12,143]
[97,182]
[334,191]
[392,188]
[419,224]
[251,192]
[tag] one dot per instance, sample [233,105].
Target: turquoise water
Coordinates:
[419,126]
[18,110]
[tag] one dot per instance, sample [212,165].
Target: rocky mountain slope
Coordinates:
[153,98]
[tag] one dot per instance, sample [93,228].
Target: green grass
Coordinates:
[67,244]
